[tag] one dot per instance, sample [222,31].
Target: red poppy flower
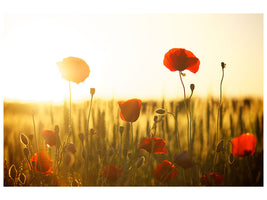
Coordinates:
[73,69]
[159,145]
[178,59]
[111,172]
[183,160]
[51,139]
[130,109]
[41,162]
[212,179]
[244,145]
[165,171]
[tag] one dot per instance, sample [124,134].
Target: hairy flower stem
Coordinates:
[219,108]
[70,127]
[188,120]
[37,149]
[86,137]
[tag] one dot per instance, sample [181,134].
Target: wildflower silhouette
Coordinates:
[212,179]
[179,59]
[73,69]
[41,162]
[111,172]
[155,143]
[165,171]
[130,109]
[244,145]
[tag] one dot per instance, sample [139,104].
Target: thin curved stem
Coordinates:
[219,108]
[188,121]
[70,111]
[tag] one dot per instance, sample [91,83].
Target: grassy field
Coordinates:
[107,144]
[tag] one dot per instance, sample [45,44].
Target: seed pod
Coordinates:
[93,131]
[75,183]
[24,139]
[121,129]
[111,151]
[30,137]
[160,111]
[219,147]
[223,65]
[22,178]
[231,159]
[56,129]
[12,172]
[140,161]
[70,148]
[130,155]
[92,91]
[192,87]
[155,119]
[81,136]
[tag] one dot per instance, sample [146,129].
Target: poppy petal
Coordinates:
[130,109]
[244,145]
[73,69]
[179,59]
[165,171]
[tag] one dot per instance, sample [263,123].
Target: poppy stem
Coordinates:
[220,105]
[70,112]
[188,120]
[34,130]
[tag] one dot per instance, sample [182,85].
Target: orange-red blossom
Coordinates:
[130,109]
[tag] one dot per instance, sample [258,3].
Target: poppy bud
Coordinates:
[130,155]
[155,119]
[24,139]
[223,65]
[92,91]
[75,183]
[93,131]
[140,161]
[111,151]
[121,129]
[231,159]
[192,87]
[22,178]
[81,136]
[83,153]
[70,147]
[12,172]
[56,129]
[30,137]
[160,111]
[219,147]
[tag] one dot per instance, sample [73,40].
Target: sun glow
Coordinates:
[125,55]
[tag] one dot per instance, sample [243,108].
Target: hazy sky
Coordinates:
[125,53]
